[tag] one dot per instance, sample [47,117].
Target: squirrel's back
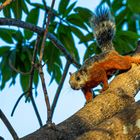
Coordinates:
[103,25]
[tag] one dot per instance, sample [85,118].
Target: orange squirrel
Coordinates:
[98,68]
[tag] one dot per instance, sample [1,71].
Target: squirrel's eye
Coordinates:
[78,78]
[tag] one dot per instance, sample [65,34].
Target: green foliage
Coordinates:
[32,17]
[24,81]
[17,8]
[54,64]
[67,22]
[134,5]
[6,35]
[63,6]
[84,13]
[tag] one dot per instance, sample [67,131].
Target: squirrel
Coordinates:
[98,68]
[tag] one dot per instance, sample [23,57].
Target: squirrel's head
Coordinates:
[78,79]
[103,25]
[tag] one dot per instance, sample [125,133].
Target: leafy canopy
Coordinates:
[67,22]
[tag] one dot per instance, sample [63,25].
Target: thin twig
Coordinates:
[45,93]
[29,92]
[59,88]
[40,66]
[45,16]
[33,63]
[7,2]
[45,63]
[40,31]
[46,31]
[31,81]
[8,125]
[17,102]
[36,111]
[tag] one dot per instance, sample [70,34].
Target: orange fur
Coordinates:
[99,71]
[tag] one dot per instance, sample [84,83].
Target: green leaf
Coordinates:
[36,78]
[57,73]
[67,39]
[116,5]
[52,56]
[128,35]
[17,9]
[91,50]
[125,41]
[3,50]
[77,32]
[75,19]
[21,58]
[63,6]
[7,12]
[69,9]
[5,35]
[134,5]
[17,35]
[31,18]
[120,18]
[88,37]
[5,70]
[24,81]
[84,13]
[24,6]
[6,75]
[37,5]
[53,26]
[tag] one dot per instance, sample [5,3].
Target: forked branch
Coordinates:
[40,66]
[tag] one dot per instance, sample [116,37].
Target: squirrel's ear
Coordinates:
[70,73]
[84,71]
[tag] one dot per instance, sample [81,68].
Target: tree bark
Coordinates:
[111,115]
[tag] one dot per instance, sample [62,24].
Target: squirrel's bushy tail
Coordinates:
[103,25]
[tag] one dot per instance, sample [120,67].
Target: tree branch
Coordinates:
[8,125]
[45,15]
[40,66]
[28,93]
[17,102]
[36,111]
[59,88]
[31,81]
[118,97]
[40,31]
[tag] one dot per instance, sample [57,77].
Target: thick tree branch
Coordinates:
[118,97]
[8,125]
[40,31]
[122,126]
